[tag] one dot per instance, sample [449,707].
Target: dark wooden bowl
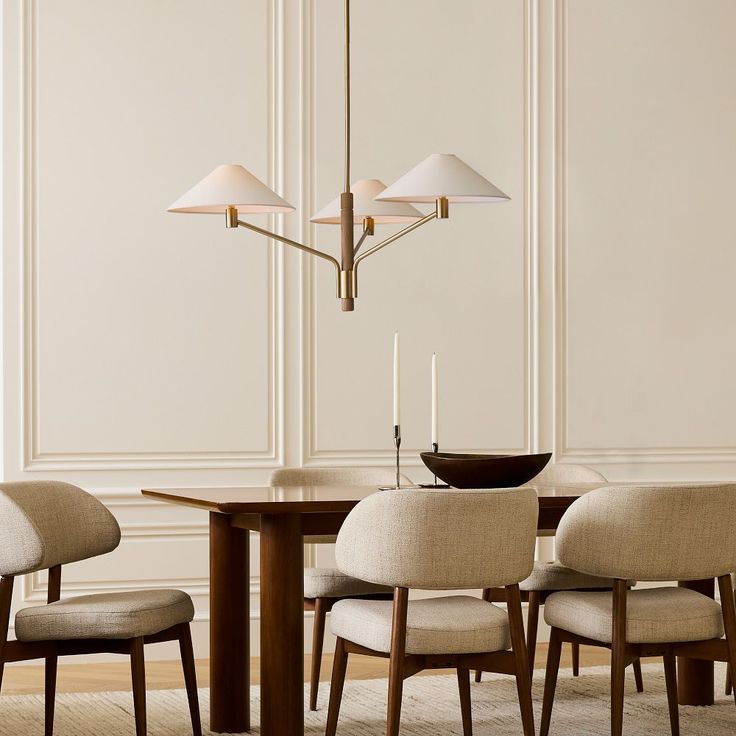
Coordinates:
[484,471]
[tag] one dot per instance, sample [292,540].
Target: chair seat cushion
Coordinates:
[451,625]
[554,576]
[105,616]
[320,539]
[654,615]
[327,582]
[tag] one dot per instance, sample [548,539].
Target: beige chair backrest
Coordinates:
[441,539]
[48,523]
[335,477]
[377,477]
[569,473]
[654,533]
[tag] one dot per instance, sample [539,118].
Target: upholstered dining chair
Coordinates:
[436,540]
[651,534]
[550,577]
[324,586]
[47,524]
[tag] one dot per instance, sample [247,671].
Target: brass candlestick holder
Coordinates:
[435,450]
[397,445]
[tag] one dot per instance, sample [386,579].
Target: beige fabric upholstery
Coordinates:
[451,625]
[441,539]
[48,523]
[333,477]
[320,539]
[651,533]
[554,576]
[326,582]
[568,473]
[105,616]
[654,615]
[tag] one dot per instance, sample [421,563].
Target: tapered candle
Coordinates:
[435,403]
[397,398]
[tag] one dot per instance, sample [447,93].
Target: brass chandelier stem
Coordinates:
[347,249]
[347,95]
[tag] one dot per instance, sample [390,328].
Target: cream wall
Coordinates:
[590,315]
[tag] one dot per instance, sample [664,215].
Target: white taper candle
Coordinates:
[397,397]
[435,402]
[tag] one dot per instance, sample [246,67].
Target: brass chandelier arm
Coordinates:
[361,241]
[427,218]
[292,243]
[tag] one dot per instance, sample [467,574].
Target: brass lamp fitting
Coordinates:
[347,287]
[231,217]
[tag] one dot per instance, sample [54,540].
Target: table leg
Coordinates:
[229,627]
[695,676]
[282,625]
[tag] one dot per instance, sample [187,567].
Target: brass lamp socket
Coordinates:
[443,208]
[231,217]
[347,287]
[369,226]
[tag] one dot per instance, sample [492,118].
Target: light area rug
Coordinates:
[430,708]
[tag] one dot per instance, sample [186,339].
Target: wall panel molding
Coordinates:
[631,456]
[314,456]
[36,459]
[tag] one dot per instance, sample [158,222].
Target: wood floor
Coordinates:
[94,677]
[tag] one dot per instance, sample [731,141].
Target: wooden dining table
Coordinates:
[282,517]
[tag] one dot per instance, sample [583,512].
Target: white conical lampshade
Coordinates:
[230,185]
[442,175]
[364,205]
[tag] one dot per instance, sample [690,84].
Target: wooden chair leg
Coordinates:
[638,676]
[138,672]
[396,660]
[50,694]
[532,626]
[618,657]
[190,677]
[575,659]
[521,658]
[729,681]
[550,680]
[670,678]
[6,596]
[728,606]
[486,597]
[339,667]
[53,594]
[463,684]
[318,638]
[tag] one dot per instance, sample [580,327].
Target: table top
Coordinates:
[323,499]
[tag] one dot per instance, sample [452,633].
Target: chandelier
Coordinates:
[439,180]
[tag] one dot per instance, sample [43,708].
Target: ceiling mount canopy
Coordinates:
[440,179]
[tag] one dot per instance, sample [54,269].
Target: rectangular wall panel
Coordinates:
[149,335]
[647,115]
[455,287]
